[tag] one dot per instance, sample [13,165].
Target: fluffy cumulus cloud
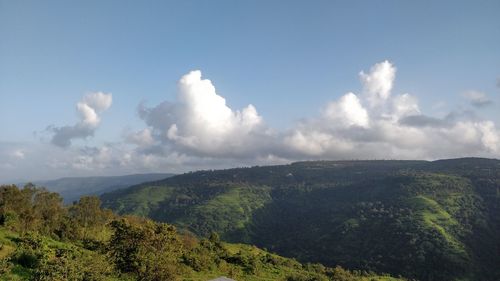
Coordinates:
[374,124]
[198,130]
[142,138]
[200,123]
[347,112]
[377,84]
[88,109]
[379,124]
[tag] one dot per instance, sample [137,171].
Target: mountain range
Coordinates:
[72,188]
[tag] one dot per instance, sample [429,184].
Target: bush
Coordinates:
[340,274]
[70,264]
[31,251]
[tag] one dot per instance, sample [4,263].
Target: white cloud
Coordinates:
[198,130]
[405,105]
[89,109]
[98,101]
[315,142]
[18,154]
[393,126]
[377,124]
[200,123]
[490,137]
[478,99]
[378,82]
[142,138]
[347,112]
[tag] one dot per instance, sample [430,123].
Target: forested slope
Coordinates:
[41,239]
[424,220]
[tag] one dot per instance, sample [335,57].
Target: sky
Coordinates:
[118,87]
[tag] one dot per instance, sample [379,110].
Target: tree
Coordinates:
[147,250]
[49,211]
[16,207]
[89,217]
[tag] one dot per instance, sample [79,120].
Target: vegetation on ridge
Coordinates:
[41,239]
[422,220]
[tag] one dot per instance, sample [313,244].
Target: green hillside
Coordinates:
[423,220]
[41,239]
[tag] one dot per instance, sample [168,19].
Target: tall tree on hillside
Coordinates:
[16,207]
[88,215]
[49,210]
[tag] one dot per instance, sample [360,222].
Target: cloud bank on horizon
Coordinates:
[372,124]
[199,130]
[378,124]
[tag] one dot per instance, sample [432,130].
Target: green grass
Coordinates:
[6,242]
[435,217]
[232,211]
[142,201]
[17,273]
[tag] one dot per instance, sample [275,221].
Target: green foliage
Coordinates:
[91,219]
[73,264]
[424,220]
[84,242]
[225,209]
[340,274]
[31,251]
[5,266]
[49,210]
[147,249]
[16,207]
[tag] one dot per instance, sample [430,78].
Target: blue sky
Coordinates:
[292,60]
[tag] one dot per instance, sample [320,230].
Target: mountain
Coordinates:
[72,188]
[423,220]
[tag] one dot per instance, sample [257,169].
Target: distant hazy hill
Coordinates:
[73,187]
[425,220]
